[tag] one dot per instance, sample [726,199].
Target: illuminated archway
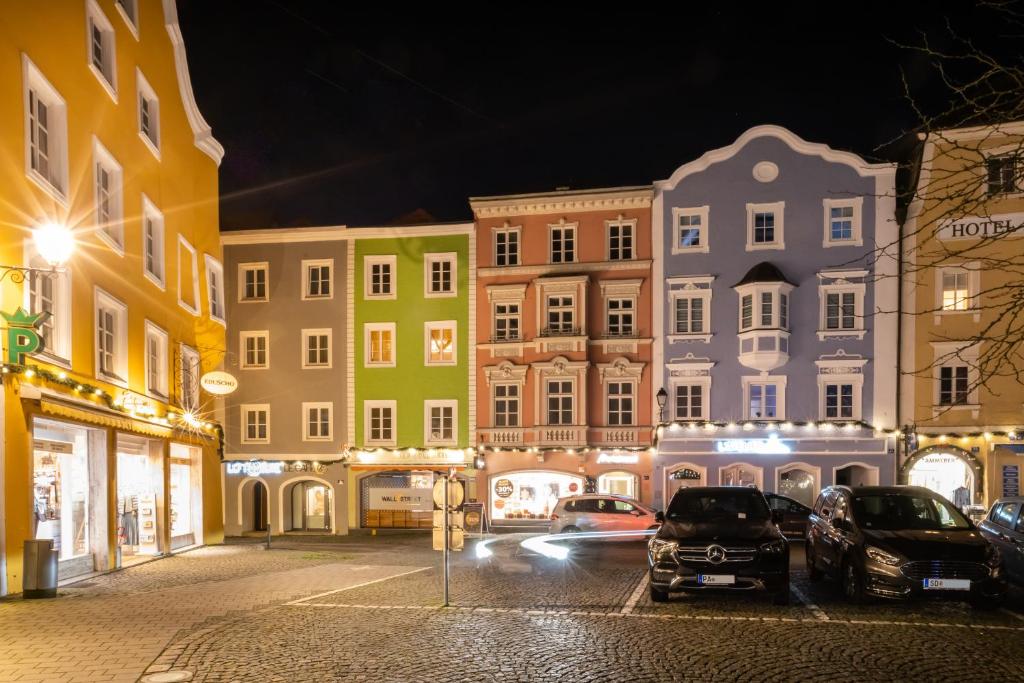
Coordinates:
[971,466]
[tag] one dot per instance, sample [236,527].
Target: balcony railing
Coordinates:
[506,338]
[621,436]
[561,331]
[504,436]
[556,435]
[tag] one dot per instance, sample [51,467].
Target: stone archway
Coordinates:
[970,460]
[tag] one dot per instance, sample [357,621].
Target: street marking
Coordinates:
[634,597]
[1013,614]
[818,613]
[358,585]
[676,617]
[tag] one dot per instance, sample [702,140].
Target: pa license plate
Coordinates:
[716,579]
[947,585]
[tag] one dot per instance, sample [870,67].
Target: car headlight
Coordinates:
[662,550]
[879,555]
[774,547]
[992,557]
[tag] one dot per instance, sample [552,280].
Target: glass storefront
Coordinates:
[798,484]
[139,496]
[619,484]
[310,506]
[530,495]
[186,494]
[947,475]
[397,500]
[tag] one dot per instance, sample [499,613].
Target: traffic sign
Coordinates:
[456,493]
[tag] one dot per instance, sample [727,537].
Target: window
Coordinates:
[506,405]
[506,247]
[784,311]
[439,273]
[49,292]
[620,317]
[953,385]
[255,350]
[255,423]
[129,9]
[765,226]
[152,243]
[689,315]
[316,279]
[563,244]
[838,401]
[215,288]
[746,312]
[690,230]
[561,310]
[840,311]
[149,114]
[188,276]
[506,321]
[46,133]
[620,404]
[955,291]
[317,418]
[109,212]
[440,342]
[764,399]
[111,339]
[440,422]
[560,400]
[380,422]
[690,401]
[766,309]
[189,378]
[380,343]
[253,279]
[1002,174]
[843,222]
[156,361]
[316,348]
[101,48]
[620,240]
[380,277]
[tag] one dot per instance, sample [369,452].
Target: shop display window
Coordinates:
[618,484]
[61,495]
[530,495]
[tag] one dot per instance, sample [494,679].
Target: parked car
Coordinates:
[600,512]
[900,542]
[1004,528]
[718,537]
[794,515]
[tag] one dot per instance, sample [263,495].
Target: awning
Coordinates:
[104,419]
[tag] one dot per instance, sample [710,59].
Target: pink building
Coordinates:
[564,348]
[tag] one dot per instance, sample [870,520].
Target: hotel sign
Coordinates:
[981,227]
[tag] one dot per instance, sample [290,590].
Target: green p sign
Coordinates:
[22,335]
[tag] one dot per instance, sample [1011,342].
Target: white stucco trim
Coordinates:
[885,325]
[471,342]
[658,297]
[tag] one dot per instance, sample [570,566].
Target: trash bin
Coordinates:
[40,570]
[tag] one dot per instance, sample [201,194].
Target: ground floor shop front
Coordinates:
[284,496]
[970,471]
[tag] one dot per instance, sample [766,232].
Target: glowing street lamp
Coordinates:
[55,244]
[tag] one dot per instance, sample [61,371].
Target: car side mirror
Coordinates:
[635,513]
[776,516]
[659,517]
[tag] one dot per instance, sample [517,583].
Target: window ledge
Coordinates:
[220,321]
[112,379]
[379,365]
[765,247]
[380,444]
[191,309]
[827,243]
[306,297]
[440,295]
[107,85]
[254,301]
[132,28]
[705,249]
[973,311]
[52,359]
[110,241]
[975,409]
[379,297]
[253,367]
[48,187]
[256,441]
[306,366]
[150,145]
[675,338]
[841,334]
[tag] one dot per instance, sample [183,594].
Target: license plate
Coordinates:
[947,585]
[716,579]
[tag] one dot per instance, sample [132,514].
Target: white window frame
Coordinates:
[111,232]
[306,407]
[428,437]
[190,357]
[973,272]
[620,223]
[133,23]
[574,382]
[55,183]
[379,327]
[243,337]
[495,316]
[608,313]
[371,260]
[857,238]
[184,243]
[634,386]
[704,212]
[155,218]
[574,227]
[546,326]
[519,385]
[162,389]
[432,325]
[368,407]
[854,379]
[243,268]
[57,349]
[104,300]
[780,395]
[107,75]
[145,90]
[244,411]
[429,260]
[859,291]
[317,332]
[779,211]
[214,269]
[519,246]
[307,264]
[704,382]
[957,354]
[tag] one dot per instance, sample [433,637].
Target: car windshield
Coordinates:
[694,505]
[895,511]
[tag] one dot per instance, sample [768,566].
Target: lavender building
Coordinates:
[776,262]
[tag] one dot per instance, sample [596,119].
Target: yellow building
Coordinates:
[109,446]
[959,396]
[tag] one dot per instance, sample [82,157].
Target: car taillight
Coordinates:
[554,516]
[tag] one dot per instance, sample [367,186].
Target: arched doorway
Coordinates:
[947,470]
[253,505]
[799,481]
[260,497]
[307,506]
[741,474]
[856,474]
[683,476]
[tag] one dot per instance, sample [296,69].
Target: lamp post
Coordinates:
[55,244]
[662,400]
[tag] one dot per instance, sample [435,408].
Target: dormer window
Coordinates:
[764,317]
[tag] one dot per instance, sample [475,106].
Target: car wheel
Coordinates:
[813,573]
[781,596]
[658,595]
[853,585]
[570,529]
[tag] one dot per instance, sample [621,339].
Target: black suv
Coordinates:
[718,537]
[899,542]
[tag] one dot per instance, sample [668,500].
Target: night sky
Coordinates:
[331,116]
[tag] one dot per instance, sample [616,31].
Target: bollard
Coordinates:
[268,535]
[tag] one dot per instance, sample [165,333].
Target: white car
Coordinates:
[600,512]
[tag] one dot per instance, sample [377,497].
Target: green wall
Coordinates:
[411,382]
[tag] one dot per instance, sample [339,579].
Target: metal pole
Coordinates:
[444,528]
[268,535]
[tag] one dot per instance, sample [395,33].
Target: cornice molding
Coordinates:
[554,269]
[617,199]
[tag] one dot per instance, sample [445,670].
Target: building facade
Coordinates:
[564,348]
[960,397]
[110,449]
[775,319]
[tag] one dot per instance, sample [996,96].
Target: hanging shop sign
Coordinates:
[686,474]
[218,383]
[773,445]
[618,458]
[23,337]
[979,227]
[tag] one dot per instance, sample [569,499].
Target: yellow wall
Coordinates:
[182,183]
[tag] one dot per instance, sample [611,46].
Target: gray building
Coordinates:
[285,426]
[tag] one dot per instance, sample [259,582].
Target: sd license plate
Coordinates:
[716,579]
[947,585]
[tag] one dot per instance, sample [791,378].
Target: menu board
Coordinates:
[1011,480]
[474,518]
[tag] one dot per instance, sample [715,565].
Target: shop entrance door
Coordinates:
[945,474]
[259,507]
[311,507]
[140,497]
